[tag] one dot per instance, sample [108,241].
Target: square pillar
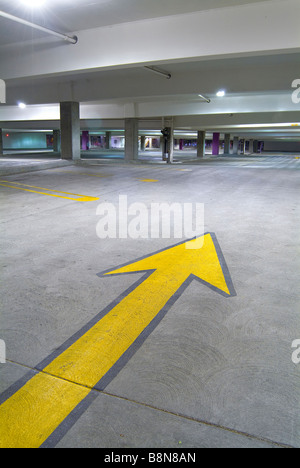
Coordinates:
[227,143]
[171,145]
[1,143]
[216,144]
[251,146]
[201,144]
[235,145]
[107,140]
[168,144]
[143,142]
[131,139]
[56,141]
[70,130]
[85,141]
[242,146]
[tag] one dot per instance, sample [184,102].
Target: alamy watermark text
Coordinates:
[296,353]
[2,92]
[2,352]
[296,93]
[154,221]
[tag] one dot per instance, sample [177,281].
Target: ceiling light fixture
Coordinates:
[221,93]
[22,105]
[72,39]
[159,72]
[204,98]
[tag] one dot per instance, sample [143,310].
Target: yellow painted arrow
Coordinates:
[31,415]
[175,265]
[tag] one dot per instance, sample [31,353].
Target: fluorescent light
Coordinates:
[221,93]
[204,98]
[22,105]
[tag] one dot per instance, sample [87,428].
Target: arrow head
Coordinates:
[200,257]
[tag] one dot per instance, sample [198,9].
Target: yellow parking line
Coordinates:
[148,180]
[101,176]
[45,191]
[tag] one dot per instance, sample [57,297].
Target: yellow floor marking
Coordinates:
[96,175]
[102,176]
[40,190]
[30,416]
[35,411]
[148,180]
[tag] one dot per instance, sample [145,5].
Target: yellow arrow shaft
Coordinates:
[91,356]
[30,416]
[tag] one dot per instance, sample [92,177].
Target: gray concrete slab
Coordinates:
[115,422]
[21,163]
[216,371]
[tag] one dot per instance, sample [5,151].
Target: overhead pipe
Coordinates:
[159,72]
[71,39]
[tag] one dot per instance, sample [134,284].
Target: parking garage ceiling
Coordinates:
[77,15]
[249,48]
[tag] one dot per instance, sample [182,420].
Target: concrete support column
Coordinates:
[216,144]
[85,143]
[131,139]
[227,143]
[201,144]
[261,145]
[235,145]
[251,146]
[171,149]
[143,142]
[107,140]
[168,144]
[1,143]
[242,143]
[56,141]
[70,130]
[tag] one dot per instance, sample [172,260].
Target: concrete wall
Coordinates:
[282,146]
[24,141]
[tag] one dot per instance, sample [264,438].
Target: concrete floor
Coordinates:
[216,371]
